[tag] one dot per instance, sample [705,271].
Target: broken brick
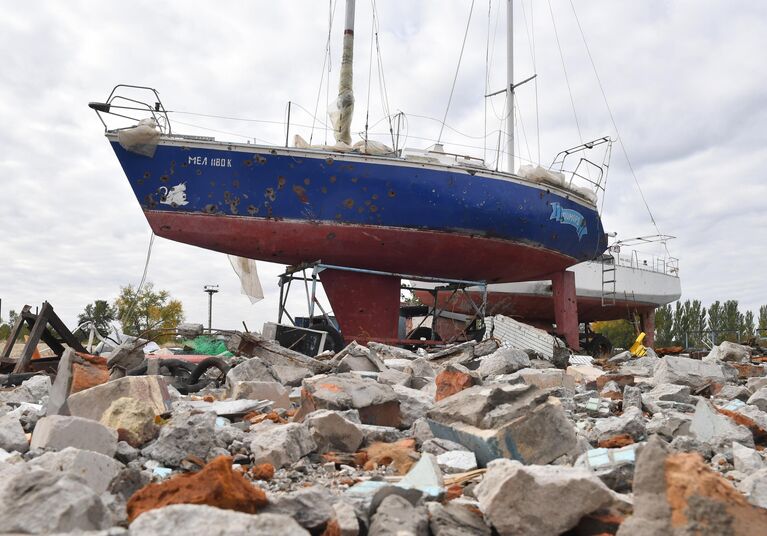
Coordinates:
[215,485]
[400,455]
[450,382]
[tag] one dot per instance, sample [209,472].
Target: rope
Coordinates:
[141,284]
[615,126]
[564,68]
[457,68]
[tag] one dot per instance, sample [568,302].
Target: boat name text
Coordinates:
[212,162]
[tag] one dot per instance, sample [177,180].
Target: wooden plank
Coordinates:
[17,326]
[64,333]
[34,338]
[46,336]
[53,343]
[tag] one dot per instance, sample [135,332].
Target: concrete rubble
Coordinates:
[471,438]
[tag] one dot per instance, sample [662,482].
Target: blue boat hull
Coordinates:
[291,206]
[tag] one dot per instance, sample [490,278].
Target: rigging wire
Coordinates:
[449,127]
[380,68]
[531,40]
[502,115]
[564,68]
[229,133]
[615,125]
[487,77]
[370,78]
[457,68]
[518,112]
[325,63]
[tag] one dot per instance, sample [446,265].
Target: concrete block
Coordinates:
[203,520]
[93,402]
[457,461]
[690,372]
[710,426]
[58,432]
[377,404]
[542,499]
[98,470]
[331,431]
[259,390]
[280,444]
[539,435]
[35,501]
[12,436]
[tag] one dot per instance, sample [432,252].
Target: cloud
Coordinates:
[684,80]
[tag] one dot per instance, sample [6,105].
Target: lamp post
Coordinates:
[211,290]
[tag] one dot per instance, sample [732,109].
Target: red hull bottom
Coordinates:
[407,251]
[366,306]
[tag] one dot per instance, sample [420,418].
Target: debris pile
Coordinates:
[471,438]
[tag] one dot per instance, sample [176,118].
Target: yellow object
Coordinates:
[638,349]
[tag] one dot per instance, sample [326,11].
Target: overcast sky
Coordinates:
[685,80]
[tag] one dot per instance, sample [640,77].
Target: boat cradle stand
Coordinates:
[366,303]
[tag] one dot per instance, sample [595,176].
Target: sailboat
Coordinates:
[623,283]
[380,213]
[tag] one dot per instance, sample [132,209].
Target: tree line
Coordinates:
[146,312]
[692,325]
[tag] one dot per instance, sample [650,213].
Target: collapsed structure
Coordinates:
[470,438]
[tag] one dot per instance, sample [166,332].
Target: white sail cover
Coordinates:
[555,178]
[249,283]
[370,147]
[341,116]
[141,139]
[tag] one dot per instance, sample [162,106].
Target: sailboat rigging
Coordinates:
[364,207]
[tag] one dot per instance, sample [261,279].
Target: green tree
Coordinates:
[715,320]
[681,321]
[100,313]
[763,318]
[689,323]
[748,325]
[696,324]
[732,321]
[12,317]
[664,325]
[621,333]
[148,313]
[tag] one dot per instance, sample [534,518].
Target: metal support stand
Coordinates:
[472,323]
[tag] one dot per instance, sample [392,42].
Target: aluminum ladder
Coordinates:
[608,279]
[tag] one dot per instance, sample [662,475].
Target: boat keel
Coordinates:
[365,305]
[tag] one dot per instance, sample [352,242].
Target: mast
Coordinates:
[342,116]
[510,83]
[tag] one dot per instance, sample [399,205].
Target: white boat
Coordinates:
[620,284]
